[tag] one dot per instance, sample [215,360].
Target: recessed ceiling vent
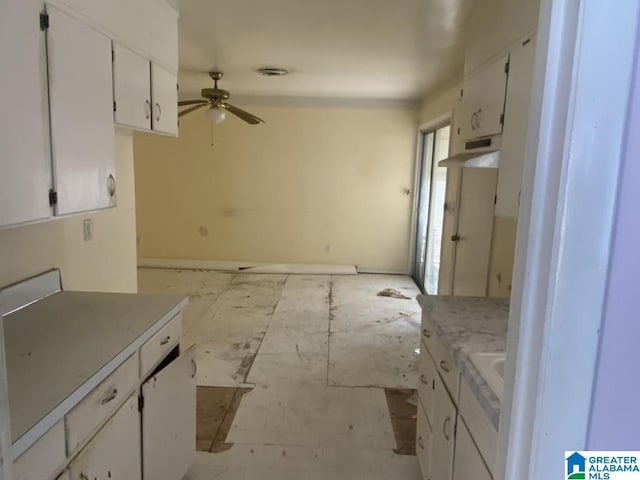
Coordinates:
[273,71]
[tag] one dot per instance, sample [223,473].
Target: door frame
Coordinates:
[562,262]
[437,122]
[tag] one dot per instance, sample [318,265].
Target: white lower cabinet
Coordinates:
[169,419]
[455,440]
[468,462]
[43,457]
[114,453]
[444,431]
[423,442]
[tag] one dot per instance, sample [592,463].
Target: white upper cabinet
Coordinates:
[146,26]
[25,178]
[483,100]
[494,26]
[145,94]
[81,109]
[131,88]
[514,138]
[164,94]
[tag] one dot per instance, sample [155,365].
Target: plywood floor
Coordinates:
[300,376]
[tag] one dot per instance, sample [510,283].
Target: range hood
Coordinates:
[478,153]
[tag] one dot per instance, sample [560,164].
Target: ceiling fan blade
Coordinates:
[191,102]
[238,112]
[191,109]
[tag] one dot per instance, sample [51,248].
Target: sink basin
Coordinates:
[491,367]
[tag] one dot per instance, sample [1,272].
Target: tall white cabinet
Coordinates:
[80,97]
[25,178]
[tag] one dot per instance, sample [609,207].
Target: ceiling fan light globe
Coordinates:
[215,115]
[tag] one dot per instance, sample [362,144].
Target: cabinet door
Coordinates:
[483,100]
[24,125]
[423,443]
[114,453]
[81,99]
[428,373]
[468,463]
[169,420]
[516,122]
[443,441]
[131,88]
[164,94]
[475,231]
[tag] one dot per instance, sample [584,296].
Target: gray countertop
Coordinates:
[468,325]
[59,348]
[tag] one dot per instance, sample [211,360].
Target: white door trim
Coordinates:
[583,78]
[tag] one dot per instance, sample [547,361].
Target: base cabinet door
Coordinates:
[468,462]
[444,428]
[169,419]
[423,443]
[114,453]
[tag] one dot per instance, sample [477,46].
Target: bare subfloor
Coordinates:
[300,376]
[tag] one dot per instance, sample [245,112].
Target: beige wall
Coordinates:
[312,185]
[106,263]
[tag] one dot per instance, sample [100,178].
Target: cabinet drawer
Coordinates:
[429,338]
[442,358]
[114,453]
[159,345]
[480,427]
[100,403]
[43,457]
[423,443]
[427,374]
[448,370]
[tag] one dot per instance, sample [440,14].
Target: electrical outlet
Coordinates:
[88,229]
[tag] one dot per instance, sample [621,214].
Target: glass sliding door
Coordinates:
[432,185]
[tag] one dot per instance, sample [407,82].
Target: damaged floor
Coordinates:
[300,376]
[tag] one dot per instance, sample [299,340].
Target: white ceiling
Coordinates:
[369,49]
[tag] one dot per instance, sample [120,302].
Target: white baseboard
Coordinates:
[248,267]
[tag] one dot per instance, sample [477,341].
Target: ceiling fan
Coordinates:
[215,98]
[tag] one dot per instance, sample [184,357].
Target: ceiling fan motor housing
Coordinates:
[215,93]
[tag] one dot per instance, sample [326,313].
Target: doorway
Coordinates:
[431,190]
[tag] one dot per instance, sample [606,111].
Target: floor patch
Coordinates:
[215,410]
[403,410]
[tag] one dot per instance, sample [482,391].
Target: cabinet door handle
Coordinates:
[445,428]
[426,333]
[110,397]
[421,442]
[159,110]
[111,185]
[444,366]
[165,340]
[147,109]
[478,117]
[423,379]
[473,121]
[194,368]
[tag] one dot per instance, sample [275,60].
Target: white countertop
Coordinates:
[59,348]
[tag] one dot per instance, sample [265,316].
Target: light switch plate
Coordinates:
[88,229]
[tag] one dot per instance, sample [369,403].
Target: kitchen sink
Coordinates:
[491,367]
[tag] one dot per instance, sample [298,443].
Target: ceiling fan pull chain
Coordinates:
[211,134]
